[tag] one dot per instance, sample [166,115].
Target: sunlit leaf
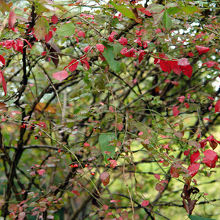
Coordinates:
[127,12]
[109,56]
[167,22]
[41,28]
[66,30]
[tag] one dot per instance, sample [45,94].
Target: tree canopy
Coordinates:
[109,109]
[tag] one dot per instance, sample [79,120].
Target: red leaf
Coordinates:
[111,37]
[190,54]
[193,169]
[175,67]
[212,141]
[185,67]
[187,70]
[157,176]
[115,201]
[81,34]
[186,152]
[105,207]
[210,158]
[105,178]
[186,105]
[100,47]
[175,111]
[54,19]
[119,126]
[210,64]
[12,19]
[41,172]
[86,49]
[165,66]
[141,55]
[160,187]
[2,80]
[128,53]
[48,36]
[145,203]
[60,75]
[145,45]
[72,65]
[2,59]
[202,49]
[123,41]
[194,157]
[76,192]
[217,106]
[146,12]
[113,163]
[138,41]
[84,61]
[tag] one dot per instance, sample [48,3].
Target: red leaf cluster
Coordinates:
[146,12]
[100,47]
[212,141]
[17,45]
[72,65]
[177,66]
[111,37]
[175,111]
[128,53]
[123,41]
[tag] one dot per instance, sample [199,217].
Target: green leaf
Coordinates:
[123,9]
[39,7]
[157,18]
[190,9]
[173,10]
[194,217]
[109,56]
[171,5]
[117,48]
[66,30]
[106,145]
[167,22]
[155,8]
[41,28]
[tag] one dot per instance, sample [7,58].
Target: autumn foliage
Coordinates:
[109,109]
